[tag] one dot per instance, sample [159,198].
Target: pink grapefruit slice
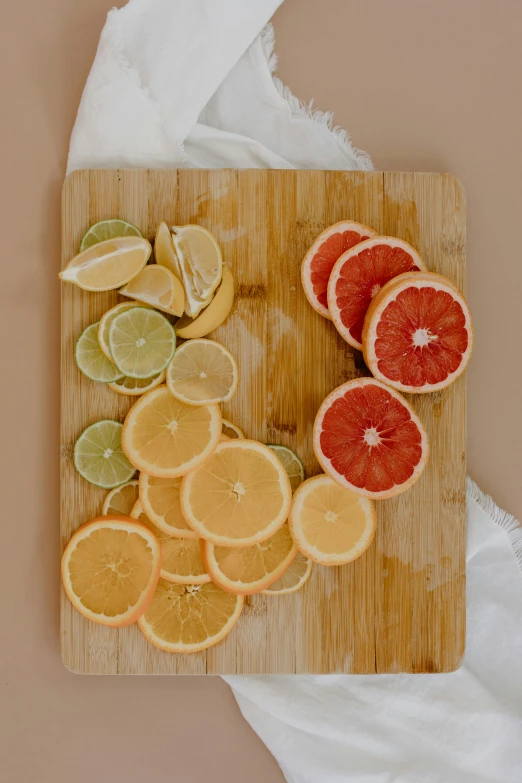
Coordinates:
[417,334]
[359,274]
[368,439]
[320,259]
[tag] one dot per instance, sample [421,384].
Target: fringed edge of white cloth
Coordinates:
[500,517]
[301,109]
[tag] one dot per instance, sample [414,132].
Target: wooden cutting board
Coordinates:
[401,606]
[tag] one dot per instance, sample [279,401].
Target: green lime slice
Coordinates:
[99,457]
[108,229]
[141,341]
[291,463]
[91,360]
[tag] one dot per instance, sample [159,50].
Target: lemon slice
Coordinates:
[157,286]
[160,498]
[295,576]
[202,372]
[231,430]
[181,559]
[108,264]
[91,360]
[189,618]
[98,455]
[292,464]
[105,322]
[166,438]
[133,387]
[213,315]
[200,264]
[108,229]
[121,500]
[164,252]
[141,342]
[110,569]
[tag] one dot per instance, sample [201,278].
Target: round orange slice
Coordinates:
[331,524]
[110,569]
[121,500]
[231,430]
[160,498]
[164,437]
[295,576]
[239,496]
[250,569]
[189,618]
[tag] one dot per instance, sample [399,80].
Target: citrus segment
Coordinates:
[239,496]
[141,342]
[417,334]
[122,499]
[292,464]
[108,264]
[133,387]
[91,360]
[158,287]
[202,372]
[160,498]
[189,618]
[359,274]
[164,252]
[231,430]
[368,439]
[251,569]
[320,259]
[98,455]
[213,315]
[200,264]
[166,438]
[110,569]
[108,229]
[295,576]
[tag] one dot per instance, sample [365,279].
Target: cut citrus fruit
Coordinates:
[330,524]
[164,252]
[141,341]
[166,438]
[368,439]
[295,576]
[292,464]
[91,360]
[251,569]
[181,559]
[202,372]
[239,496]
[418,335]
[213,315]
[108,264]
[200,264]
[105,322]
[110,569]
[108,229]
[159,287]
[122,499]
[359,274]
[189,618]
[231,430]
[99,457]
[133,387]
[160,498]
[320,259]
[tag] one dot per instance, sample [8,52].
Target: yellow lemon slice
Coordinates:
[295,576]
[122,499]
[213,315]
[231,430]
[157,286]
[164,252]
[202,372]
[133,387]
[200,264]
[108,264]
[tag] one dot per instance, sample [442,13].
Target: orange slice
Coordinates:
[110,569]
[239,496]
[121,500]
[166,438]
[202,372]
[331,524]
[249,569]
[160,498]
[108,264]
[231,430]
[159,287]
[295,576]
[189,618]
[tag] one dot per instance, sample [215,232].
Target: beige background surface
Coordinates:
[426,86]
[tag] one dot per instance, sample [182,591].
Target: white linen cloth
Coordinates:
[190,83]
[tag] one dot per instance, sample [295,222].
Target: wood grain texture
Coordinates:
[401,606]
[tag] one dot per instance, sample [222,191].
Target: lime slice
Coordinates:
[91,360]
[108,229]
[99,457]
[141,341]
[292,464]
[133,387]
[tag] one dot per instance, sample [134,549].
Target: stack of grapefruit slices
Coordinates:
[414,329]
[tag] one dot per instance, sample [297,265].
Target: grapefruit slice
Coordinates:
[359,274]
[417,334]
[368,439]
[320,259]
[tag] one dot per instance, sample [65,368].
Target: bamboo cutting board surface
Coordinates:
[401,606]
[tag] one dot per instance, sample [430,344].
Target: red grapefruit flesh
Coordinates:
[359,274]
[320,259]
[368,439]
[418,334]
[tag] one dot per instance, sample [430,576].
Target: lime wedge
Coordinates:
[141,341]
[91,360]
[108,229]
[99,457]
[292,464]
